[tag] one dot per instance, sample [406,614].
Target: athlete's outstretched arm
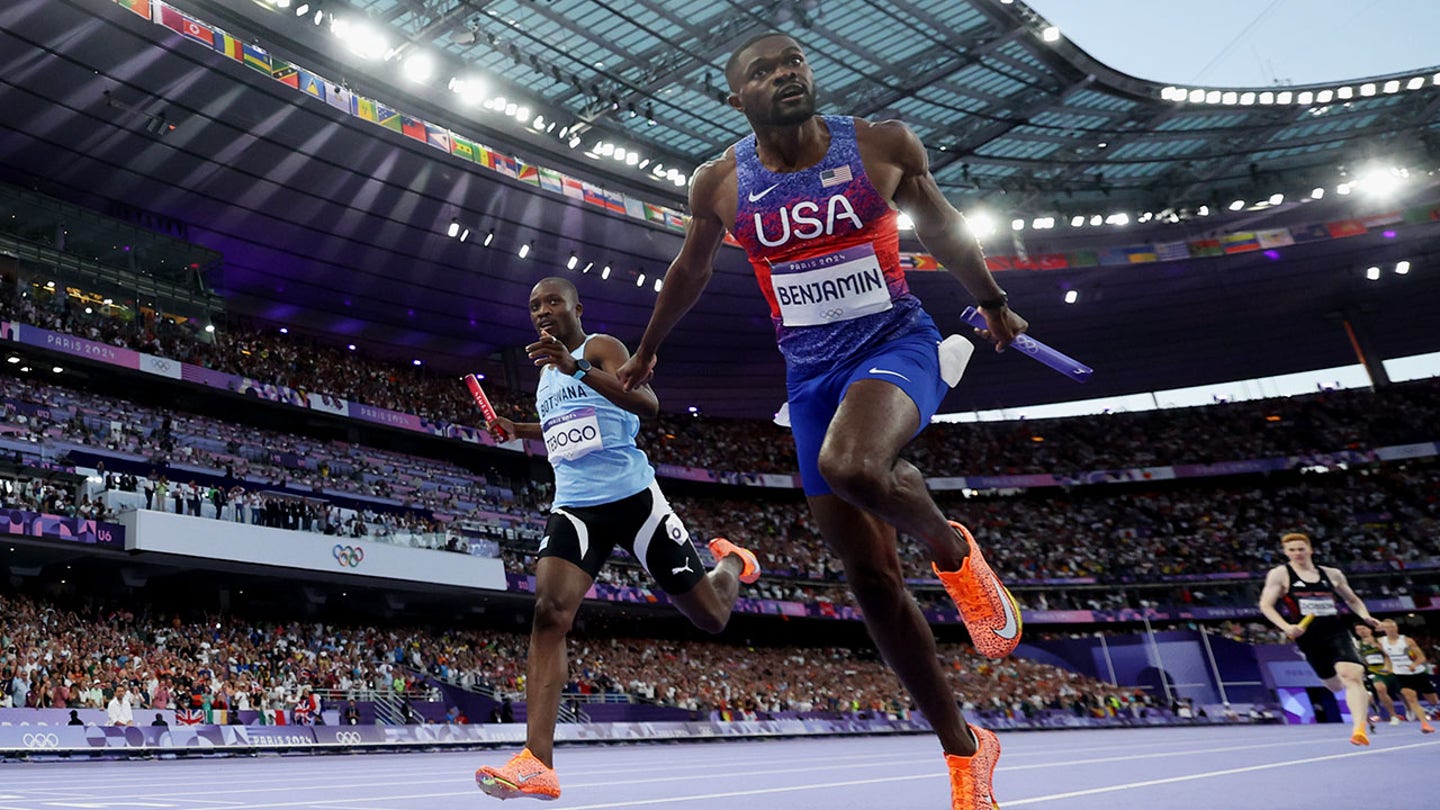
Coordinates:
[606,356]
[944,232]
[1342,587]
[687,277]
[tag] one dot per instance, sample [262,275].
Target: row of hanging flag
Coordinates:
[464,148]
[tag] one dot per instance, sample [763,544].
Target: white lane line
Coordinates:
[1207,774]
[758,791]
[1159,754]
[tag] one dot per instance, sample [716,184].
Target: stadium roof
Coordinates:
[328,221]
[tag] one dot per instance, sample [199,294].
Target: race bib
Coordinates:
[1316,606]
[1375,659]
[572,434]
[839,286]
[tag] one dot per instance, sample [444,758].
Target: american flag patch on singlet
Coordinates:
[836,176]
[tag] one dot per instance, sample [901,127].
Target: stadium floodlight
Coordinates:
[522,114]
[1097,220]
[489,237]
[454,228]
[632,158]
[981,224]
[1071,296]
[640,280]
[1267,97]
[1017,224]
[1342,189]
[1247,98]
[1230,97]
[1367,89]
[1392,86]
[1324,96]
[1172,93]
[1203,211]
[605,273]
[1381,181]
[1415,83]
[1372,273]
[1196,96]
[1213,97]
[1237,205]
[574,260]
[1345,93]
[419,67]
[619,153]
[1317,193]
[1050,34]
[1305,97]
[1077,221]
[1277,198]
[1118,219]
[659,284]
[1043,223]
[1435,79]
[1402,267]
[524,250]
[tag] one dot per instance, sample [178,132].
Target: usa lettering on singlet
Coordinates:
[825,249]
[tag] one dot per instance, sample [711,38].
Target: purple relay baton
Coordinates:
[1065,364]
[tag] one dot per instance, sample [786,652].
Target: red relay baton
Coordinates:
[486,409]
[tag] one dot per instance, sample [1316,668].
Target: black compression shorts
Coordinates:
[642,524]
[1325,651]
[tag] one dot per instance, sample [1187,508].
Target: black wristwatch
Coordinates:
[582,367]
[995,303]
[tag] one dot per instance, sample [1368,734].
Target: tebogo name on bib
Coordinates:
[572,434]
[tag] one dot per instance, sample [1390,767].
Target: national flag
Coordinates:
[1344,228]
[1239,242]
[919,262]
[1083,258]
[614,201]
[256,57]
[1276,238]
[1387,218]
[312,85]
[485,156]
[341,98]
[189,716]
[186,27]
[367,110]
[285,73]
[550,180]
[1206,247]
[676,220]
[1045,261]
[527,173]
[230,46]
[1421,214]
[634,208]
[1114,257]
[1171,251]
[463,148]
[836,176]
[654,213]
[1142,254]
[997,262]
[505,165]
[412,127]
[388,118]
[437,136]
[141,7]
[575,190]
[1309,233]
[594,195]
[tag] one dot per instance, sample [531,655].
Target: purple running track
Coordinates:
[1124,769]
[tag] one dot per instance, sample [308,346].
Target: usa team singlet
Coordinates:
[826,253]
[590,441]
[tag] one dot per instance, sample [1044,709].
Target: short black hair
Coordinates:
[739,49]
[564,284]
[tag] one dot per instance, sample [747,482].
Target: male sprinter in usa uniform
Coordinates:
[605,495]
[813,201]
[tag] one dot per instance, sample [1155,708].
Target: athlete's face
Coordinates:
[553,309]
[1298,551]
[772,83]
[1392,630]
[1364,632]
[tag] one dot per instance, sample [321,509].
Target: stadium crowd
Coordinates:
[1317,425]
[78,655]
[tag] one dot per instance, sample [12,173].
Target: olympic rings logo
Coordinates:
[1027,344]
[41,740]
[832,314]
[575,435]
[348,556]
[347,737]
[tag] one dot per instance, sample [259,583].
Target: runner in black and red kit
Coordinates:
[1300,588]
